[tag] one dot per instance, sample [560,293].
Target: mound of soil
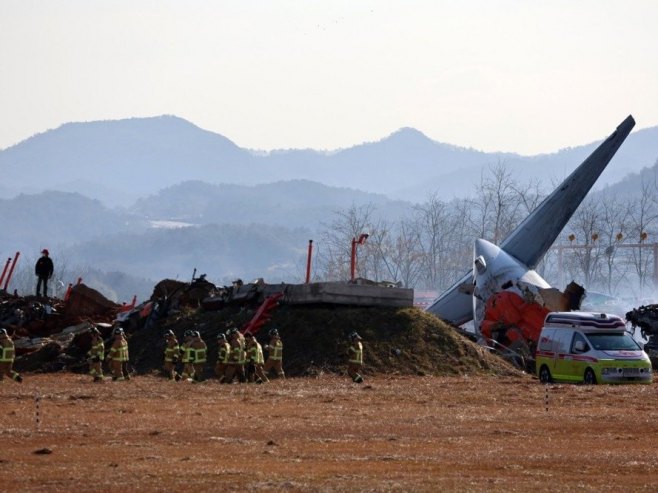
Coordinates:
[404,341]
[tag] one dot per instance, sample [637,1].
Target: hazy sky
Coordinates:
[513,75]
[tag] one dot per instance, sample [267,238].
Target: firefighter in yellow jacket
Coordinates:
[223,354]
[235,366]
[118,356]
[355,355]
[96,355]
[274,355]
[187,356]
[255,359]
[200,350]
[171,355]
[7,356]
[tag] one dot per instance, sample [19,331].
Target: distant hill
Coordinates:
[120,161]
[295,203]
[222,251]
[50,219]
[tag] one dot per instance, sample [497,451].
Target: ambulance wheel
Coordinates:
[545,375]
[590,377]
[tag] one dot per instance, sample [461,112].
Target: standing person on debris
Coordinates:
[171,355]
[235,366]
[200,351]
[255,360]
[355,354]
[96,355]
[274,355]
[118,356]
[187,353]
[223,354]
[7,356]
[44,270]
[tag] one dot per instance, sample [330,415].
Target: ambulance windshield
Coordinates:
[612,342]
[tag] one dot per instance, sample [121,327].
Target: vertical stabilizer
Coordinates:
[534,236]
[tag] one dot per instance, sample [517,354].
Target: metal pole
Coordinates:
[353,260]
[308,261]
[560,265]
[4,271]
[655,264]
[11,270]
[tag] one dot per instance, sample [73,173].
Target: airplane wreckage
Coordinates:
[502,294]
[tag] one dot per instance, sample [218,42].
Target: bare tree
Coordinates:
[498,204]
[586,224]
[643,216]
[614,216]
[333,261]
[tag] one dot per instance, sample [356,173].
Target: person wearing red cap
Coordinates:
[44,270]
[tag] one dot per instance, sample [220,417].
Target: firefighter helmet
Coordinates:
[118,331]
[274,332]
[221,335]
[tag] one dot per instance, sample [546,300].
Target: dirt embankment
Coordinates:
[404,341]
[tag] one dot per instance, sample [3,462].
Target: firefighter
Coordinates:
[96,355]
[118,356]
[223,354]
[200,350]
[171,355]
[235,365]
[7,356]
[187,356]
[355,355]
[274,355]
[255,360]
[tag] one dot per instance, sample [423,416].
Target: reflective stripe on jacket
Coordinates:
[119,353]
[356,353]
[98,349]
[188,354]
[255,354]
[8,354]
[199,355]
[276,350]
[224,352]
[170,352]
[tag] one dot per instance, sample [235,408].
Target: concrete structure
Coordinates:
[343,293]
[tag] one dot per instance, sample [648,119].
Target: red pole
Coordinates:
[353,260]
[68,292]
[11,270]
[4,271]
[308,261]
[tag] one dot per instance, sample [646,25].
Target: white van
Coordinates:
[591,348]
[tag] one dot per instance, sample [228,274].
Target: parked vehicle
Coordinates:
[589,348]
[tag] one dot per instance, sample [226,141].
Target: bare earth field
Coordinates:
[327,434]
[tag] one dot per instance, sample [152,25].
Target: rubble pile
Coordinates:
[53,335]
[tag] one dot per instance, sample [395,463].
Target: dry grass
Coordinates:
[458,433]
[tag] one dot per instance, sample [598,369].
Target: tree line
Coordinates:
[610,244]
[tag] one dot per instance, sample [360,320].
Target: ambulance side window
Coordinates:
[579,345]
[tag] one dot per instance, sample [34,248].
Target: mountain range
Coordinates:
[120,161]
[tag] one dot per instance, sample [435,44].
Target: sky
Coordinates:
[496,75]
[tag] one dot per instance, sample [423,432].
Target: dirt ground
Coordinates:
[394,433]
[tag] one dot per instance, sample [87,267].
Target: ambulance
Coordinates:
[590,348]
